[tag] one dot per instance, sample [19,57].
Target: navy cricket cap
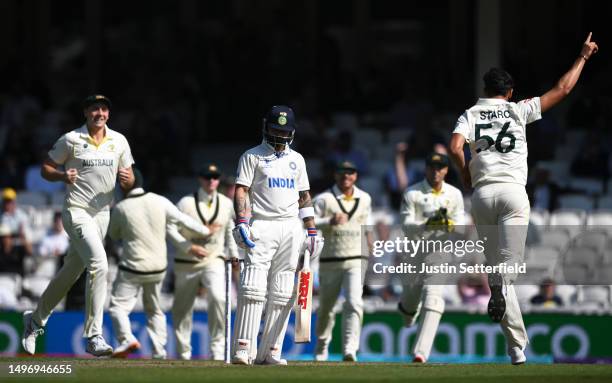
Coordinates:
[437,160]
[345,167]
[94,98]
[281,117]
[210,170]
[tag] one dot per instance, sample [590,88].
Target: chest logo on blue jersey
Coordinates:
[282,183]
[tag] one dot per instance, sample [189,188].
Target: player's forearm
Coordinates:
[458,158]
[305,202]
[127,180]
[400,172]
[51,173]
[567,82]
[456,150]
[242,207]
[563,87]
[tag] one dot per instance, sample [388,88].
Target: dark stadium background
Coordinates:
[219,65]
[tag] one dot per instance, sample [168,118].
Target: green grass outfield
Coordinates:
[113,370]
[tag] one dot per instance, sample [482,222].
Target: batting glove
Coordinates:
[242,234]
[313,244]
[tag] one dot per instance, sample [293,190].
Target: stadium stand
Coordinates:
[577,201]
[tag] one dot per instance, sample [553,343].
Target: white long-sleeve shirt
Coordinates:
[213,208]
[140,220]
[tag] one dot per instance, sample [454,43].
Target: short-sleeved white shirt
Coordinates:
[495,130]
[96,166]
[274,181]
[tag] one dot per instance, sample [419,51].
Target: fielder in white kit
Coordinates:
[272,195]
[495,130]
[216,211]
[140,220]
[343,213]
[431,204]
[92,156]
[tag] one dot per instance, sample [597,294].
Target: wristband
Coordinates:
[242,220]
[312,231]
[306,212]
[584,57]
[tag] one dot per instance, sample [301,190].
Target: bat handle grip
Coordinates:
[306,265]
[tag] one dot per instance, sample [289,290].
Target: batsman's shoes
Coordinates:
[97,346]
[30,331]
[418,359]
[241,357]
[350,357]
[497,303]
[322,357]
[409,318]
[321,352]
[126,348]
[517,356]
[272,361]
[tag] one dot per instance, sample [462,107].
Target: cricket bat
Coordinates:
[303,308]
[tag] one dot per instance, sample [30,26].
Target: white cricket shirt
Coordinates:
[421,201]
[140,220]
[97,166]
[345,240]
[495,130]
[274,181]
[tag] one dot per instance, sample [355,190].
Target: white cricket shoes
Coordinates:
[322,357]
[241,357]
[272,361]
[126,348]
[30,331]
[321,352]
[97,346]
[517,356]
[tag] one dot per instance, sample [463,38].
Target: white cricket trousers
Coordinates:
[424,300]
[331,282]
[123,298]
[269,276]
[501,213]
[86,229]
[187,281]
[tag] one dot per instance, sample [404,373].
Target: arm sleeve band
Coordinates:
[306,212]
